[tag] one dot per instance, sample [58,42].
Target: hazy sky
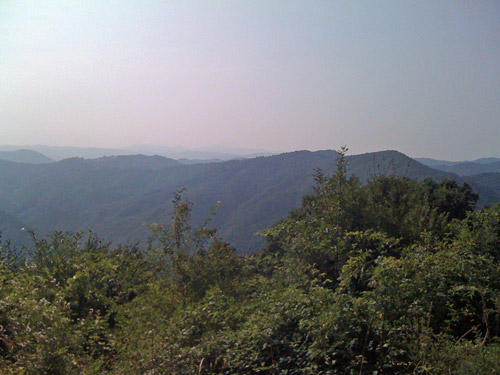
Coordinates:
[422,77]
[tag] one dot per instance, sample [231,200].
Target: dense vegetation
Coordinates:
[391,277]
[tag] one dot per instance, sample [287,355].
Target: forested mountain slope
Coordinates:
[488,194]
[115,196]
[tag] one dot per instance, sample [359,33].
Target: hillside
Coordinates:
[13,229]
[115,196]
[434,162]
[25,156]
[488,187]
[470,168]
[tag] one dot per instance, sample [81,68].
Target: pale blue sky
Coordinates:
[422,77]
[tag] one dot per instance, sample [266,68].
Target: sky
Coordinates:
[421,77]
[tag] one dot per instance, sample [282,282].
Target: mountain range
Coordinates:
[116,195]
[465,168]
[189,156]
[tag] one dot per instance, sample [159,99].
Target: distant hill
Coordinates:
[213,153]
[486,160]
[433,163]
[198,161]
[25,156]
[133,162]
[60,153]
[366,166]
[471,168]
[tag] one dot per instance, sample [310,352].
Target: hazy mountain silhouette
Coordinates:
[433,162]
[438,163]
[217,153]
[470,168]
[129,162]
[486,160]
[25,156]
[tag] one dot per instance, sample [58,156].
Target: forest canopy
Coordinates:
[393,276]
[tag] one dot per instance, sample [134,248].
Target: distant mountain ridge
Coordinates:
[25,156]
[115,196]
[486,160]
[128,162]
[59,153]
[470,168]
[434,162]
